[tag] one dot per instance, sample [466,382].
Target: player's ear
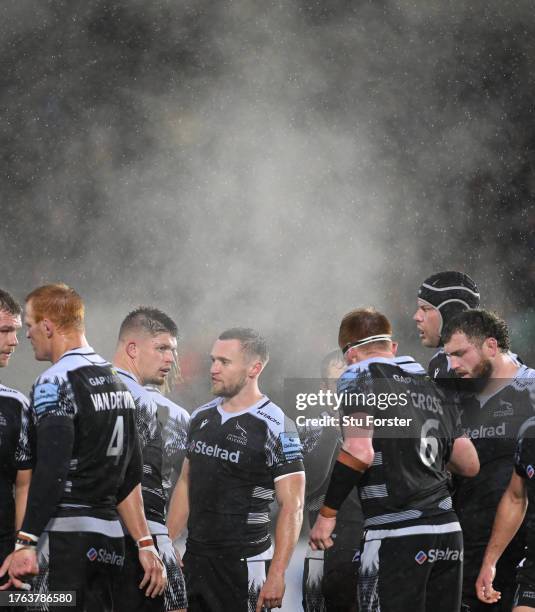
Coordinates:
[48,326]
[255,369]
[491,345]
[394,348]
[131,349]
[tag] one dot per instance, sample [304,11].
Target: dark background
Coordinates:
[266,164]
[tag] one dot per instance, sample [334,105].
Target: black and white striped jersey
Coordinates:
[235,460]
[175,423]
[15,452]
[82,386]
[407,483]
[150,434]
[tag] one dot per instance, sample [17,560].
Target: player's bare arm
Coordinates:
[133,515]
[290,493]
[464,460]
[177,515]
[509,517]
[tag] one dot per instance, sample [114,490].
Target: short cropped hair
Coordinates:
[478,325]
[9,304]
[363,323]
[334,357]
[59,303]
[252,343]
[150,320]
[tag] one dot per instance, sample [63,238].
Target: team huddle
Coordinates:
[100,472]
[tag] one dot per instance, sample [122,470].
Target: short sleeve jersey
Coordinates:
[174,421]
[407,482]
[82,386]
[235,460]
[150,435]
[493,424]
[15,452]
[525,468]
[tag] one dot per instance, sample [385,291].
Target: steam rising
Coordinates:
[260,164]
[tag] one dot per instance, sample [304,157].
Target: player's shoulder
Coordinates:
[175,410]
[201,411]
[138,391]
[273,418]
[70,361]
[377,366]
[9,393]
[524,380]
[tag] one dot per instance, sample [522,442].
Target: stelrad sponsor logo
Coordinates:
[438,554]
[201,448]
[103,556]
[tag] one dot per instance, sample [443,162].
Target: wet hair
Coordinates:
[363,323]
[479,325]
[59,303]
[9,304]
[252,343]
[150,320]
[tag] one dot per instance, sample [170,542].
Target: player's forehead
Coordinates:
[458,340]
[227,349]
[7,319]
[425,305]
[164,339]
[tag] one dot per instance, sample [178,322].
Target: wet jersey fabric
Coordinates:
[15,452]
[83,387]
[150,435]
[235,459]
[174,421]
[493,423]
[407,482]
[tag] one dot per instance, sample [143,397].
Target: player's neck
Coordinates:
[123,361]
[246,398]
[67,342]
[504,367]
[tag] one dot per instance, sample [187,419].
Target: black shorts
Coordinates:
[525,584]
[128,597]
[503,582]
[330,579]
[216,583]
[87,563]
[411,569]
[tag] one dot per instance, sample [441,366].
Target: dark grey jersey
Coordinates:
[15,452]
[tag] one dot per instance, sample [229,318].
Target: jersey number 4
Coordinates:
[115,447]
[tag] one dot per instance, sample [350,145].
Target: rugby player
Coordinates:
[330,576]
[509,517]
[441,297]
[145,354]
[412,550]
[15,446]
[242,451]
[175,423]
[502,398]
[88,464]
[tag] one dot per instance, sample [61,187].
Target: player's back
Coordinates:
[412,440]
[84,387]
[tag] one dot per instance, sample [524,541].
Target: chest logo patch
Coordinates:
[240,437]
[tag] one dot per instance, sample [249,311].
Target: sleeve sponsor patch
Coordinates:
[291,445]
[45,396]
